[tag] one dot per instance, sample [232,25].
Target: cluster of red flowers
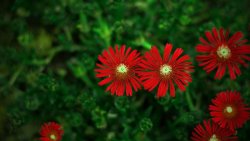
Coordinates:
[228,113]
[124,69]
[228,110]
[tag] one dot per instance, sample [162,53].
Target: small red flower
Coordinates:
[51,132]
[165,71]
[118,67]
[211,131]
[221,52]
[228,110]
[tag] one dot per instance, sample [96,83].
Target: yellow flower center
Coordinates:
[53,137]
[165,70]
[121,71]
[224,52]
[122,68]
[230,111]
[214,138]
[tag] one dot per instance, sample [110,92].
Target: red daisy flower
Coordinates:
[51,132]
[222,52]
[119,67]
[211,131]
[229,110]
[165,71]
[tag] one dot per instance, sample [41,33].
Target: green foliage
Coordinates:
[48,52]
[145,125]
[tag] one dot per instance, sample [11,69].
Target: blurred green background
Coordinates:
[49,48]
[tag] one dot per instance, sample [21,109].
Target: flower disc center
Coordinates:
[53,137]
[214,138]
[224,52]
[165,70]
[122,69]
[229,111]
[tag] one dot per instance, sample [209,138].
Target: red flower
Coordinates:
[228,110]
[211,131]
[165,71]
[119,67]
[51,132]
[222,52]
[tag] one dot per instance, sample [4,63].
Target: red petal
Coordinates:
[231,72]
[203,41]
[216,36]
[105,81]
[172,89]
[120,88]
[176,54]
[183,59]
[167,52]
[237,36]
[162,90]
[155,53]
[220,71]
[128,88]
[203,48]
[210,38]
[223,40]
[179,84]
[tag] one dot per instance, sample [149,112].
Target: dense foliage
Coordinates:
[49,49]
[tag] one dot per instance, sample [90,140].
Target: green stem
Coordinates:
[68,33]
[189,101]
[15,76]
[87,81]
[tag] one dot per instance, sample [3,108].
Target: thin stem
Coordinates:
[189,101]
[15,76]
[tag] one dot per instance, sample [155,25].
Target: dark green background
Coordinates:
[48,51]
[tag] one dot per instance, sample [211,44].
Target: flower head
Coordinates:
[51,132]
[229,110]
[221,52]
[165,71]
[211,131]
[119,67]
